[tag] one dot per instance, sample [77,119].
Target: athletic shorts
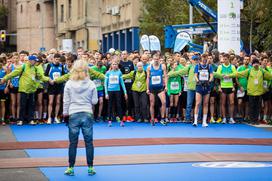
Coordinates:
[245,98]
[14,90]
[213,93]
[3,96]
[55,89]
[100,93]
[39,91]
[203,90]
[266,96]
[156,92]
[227,90]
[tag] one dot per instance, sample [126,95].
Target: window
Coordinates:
[21,8]
[62,13]
[80,9]
[83,43]
[70,9]
[38,7]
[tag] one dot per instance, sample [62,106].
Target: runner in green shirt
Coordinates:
[266,96]
[99,67]
[255,89]
[174,88]
[139,94]
[227,88]
[242,89]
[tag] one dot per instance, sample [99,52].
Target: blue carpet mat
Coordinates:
[161,172]
[135,130]
[154,149]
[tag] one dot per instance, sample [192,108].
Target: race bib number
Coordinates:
[114,79]
[97,82]
[227,80]
[156,80]
[265,84]
[56,75]
[139,84]
[174,85]
[240,93]
[256,81]
[128,80]
[203,75]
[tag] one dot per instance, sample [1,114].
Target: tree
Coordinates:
[3,17]
[156,14]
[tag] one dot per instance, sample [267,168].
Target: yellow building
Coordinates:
[35,25]
[78,20]
[120,24]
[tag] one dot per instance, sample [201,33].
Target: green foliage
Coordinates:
[158,13]
[3,11]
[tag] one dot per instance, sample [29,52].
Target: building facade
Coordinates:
[120,24]
[78,21]
[35,25]
[9,23]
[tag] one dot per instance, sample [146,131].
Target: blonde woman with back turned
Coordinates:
[80,95]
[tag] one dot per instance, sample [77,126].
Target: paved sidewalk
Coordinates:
[22,174]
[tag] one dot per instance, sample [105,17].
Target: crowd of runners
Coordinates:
[148,87]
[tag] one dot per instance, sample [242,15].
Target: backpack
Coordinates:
[134,74]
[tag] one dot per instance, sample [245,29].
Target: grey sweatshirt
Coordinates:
[79,96]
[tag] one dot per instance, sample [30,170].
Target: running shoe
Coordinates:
[3,122]
[124,118]
[263,122]
[118,119]
[204,125]
[100,119]
[33,122]
[219,120]
[163,122]
[122,124]
[19,123]
[130,119]
[57,121]
[195,124]
[224,121]
[146,120]
[139,121]
[231,121]
[91,171]
[69,171]
[152,122]
[41,121]
[49,121]
[212,121]
[109,124]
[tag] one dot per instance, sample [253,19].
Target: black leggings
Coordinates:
[114,100]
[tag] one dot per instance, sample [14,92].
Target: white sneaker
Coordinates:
[212,121]
[57,121]
[32,122]
[224,121]
[49,121]
[204,125]
[19,123]
[195,124]
[231,121]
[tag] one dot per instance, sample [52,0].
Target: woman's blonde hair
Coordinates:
[80,70]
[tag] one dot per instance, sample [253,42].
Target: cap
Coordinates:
[195,57]
[32,57]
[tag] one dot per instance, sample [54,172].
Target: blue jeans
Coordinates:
[189,104]
[83,121]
